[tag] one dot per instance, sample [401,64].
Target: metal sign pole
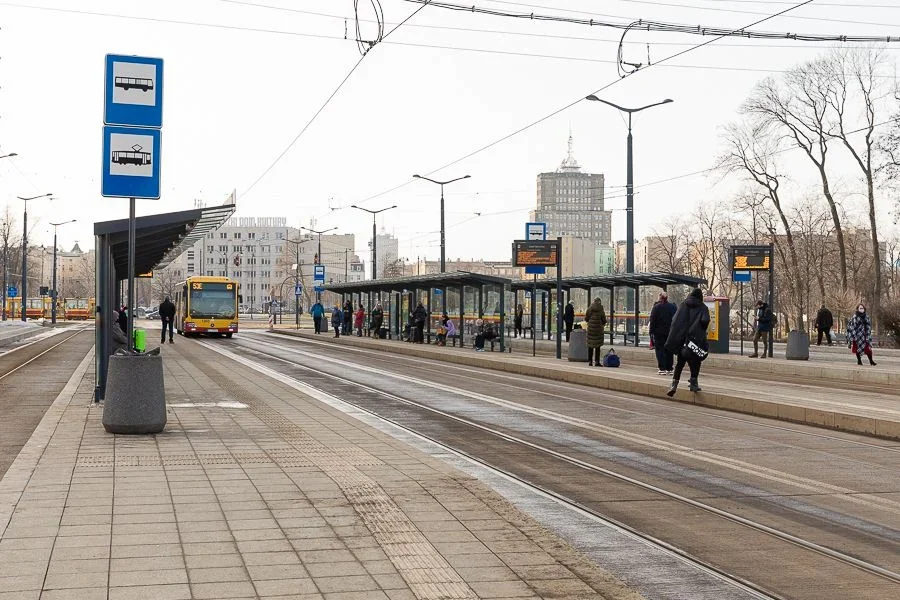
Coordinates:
[131,248]
[559,307]
[534,317]
[741,320]
[772,297]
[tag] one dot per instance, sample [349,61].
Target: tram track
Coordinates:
[11,355]
[361,396]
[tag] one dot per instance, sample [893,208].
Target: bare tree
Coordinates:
[798,106]
[859,76]
[749,151]
[165,283]
[673,244]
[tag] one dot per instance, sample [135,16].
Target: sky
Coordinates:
[243,80]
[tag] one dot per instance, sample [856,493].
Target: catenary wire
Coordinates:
[571,104]
[660,26]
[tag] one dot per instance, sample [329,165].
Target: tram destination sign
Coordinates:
[535,253]
[751,258]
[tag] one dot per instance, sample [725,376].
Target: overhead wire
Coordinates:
[573,103]
[661,26]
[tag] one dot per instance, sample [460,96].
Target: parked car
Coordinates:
[152,314]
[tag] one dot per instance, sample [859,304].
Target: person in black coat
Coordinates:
[167,316]
[517,320]
[419,316]
[123,319]
[690,323]
[824,323]
[569,318]
[660,323]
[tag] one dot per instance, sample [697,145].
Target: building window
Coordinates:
[235,248]
[210,248]
[190,255]
[223,235]
[251,235]
[279,236]
[237,235]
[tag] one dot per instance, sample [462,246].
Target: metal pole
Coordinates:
[533,317]
[131,250]
[296,283]
[629,221]
[374,251]
[443,238]
[53,293]
[741,320]
[319,262]
[559,310]
[5,279]
[772,297]
[24,293]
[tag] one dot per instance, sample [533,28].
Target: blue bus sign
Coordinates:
[319,273]
[134,91]
[740,276]
[535,232]
[12,292]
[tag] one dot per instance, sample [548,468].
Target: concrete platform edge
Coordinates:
[828,419]
[16,478]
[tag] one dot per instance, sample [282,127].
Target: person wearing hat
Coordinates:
[689,325]
[660,323]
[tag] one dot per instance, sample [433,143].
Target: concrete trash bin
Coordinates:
[135,401]
[578,351]
[797,346]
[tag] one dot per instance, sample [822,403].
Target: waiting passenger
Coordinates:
[119,339]
[596,320]
[517,320]
[318,313]
[419,316]
[337,320]
[485,334]
[376,320]
[446,330]
[859,335]
[359,319]
[687,339]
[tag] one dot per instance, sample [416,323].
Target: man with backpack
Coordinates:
[765,320]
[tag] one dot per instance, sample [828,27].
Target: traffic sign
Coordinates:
[319,288]
[298,289]
[131,158]
[319,273]
[134,91]
[741,276]
[12,292]
[535,232]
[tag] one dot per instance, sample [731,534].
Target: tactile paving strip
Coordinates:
[428,574]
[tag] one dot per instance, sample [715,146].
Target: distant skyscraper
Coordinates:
[571,202]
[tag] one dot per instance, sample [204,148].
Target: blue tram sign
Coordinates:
[12,291]
[131,163]
[134,91]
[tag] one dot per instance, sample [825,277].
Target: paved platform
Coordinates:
[834,404]
[257,490]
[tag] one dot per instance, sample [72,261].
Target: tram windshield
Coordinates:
[213,301]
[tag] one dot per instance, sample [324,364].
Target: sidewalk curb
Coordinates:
[829,419]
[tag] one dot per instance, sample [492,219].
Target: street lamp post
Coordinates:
[374,237]
[5,260]
[443,229]
[25,251]
[54,294]
[629,193]
[319,252]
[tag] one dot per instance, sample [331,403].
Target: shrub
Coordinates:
[890,319]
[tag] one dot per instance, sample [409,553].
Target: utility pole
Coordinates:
[5,256]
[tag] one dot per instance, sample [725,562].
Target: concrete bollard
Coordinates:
[797,346]
[578,351]
[135,394]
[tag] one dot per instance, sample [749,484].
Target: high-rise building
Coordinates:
[570,202]
[387,252]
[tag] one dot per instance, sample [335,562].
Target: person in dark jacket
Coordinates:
[347,318]
[123,319]
[764,322]
[517,320]
[824,323]
[337,320]
[376,319]
[660,323]
[419,316]
[167,316]
[119,339]
[690,323]
[596,320]
[569,318]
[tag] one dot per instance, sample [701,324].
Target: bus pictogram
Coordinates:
[138,83]
[135,156]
